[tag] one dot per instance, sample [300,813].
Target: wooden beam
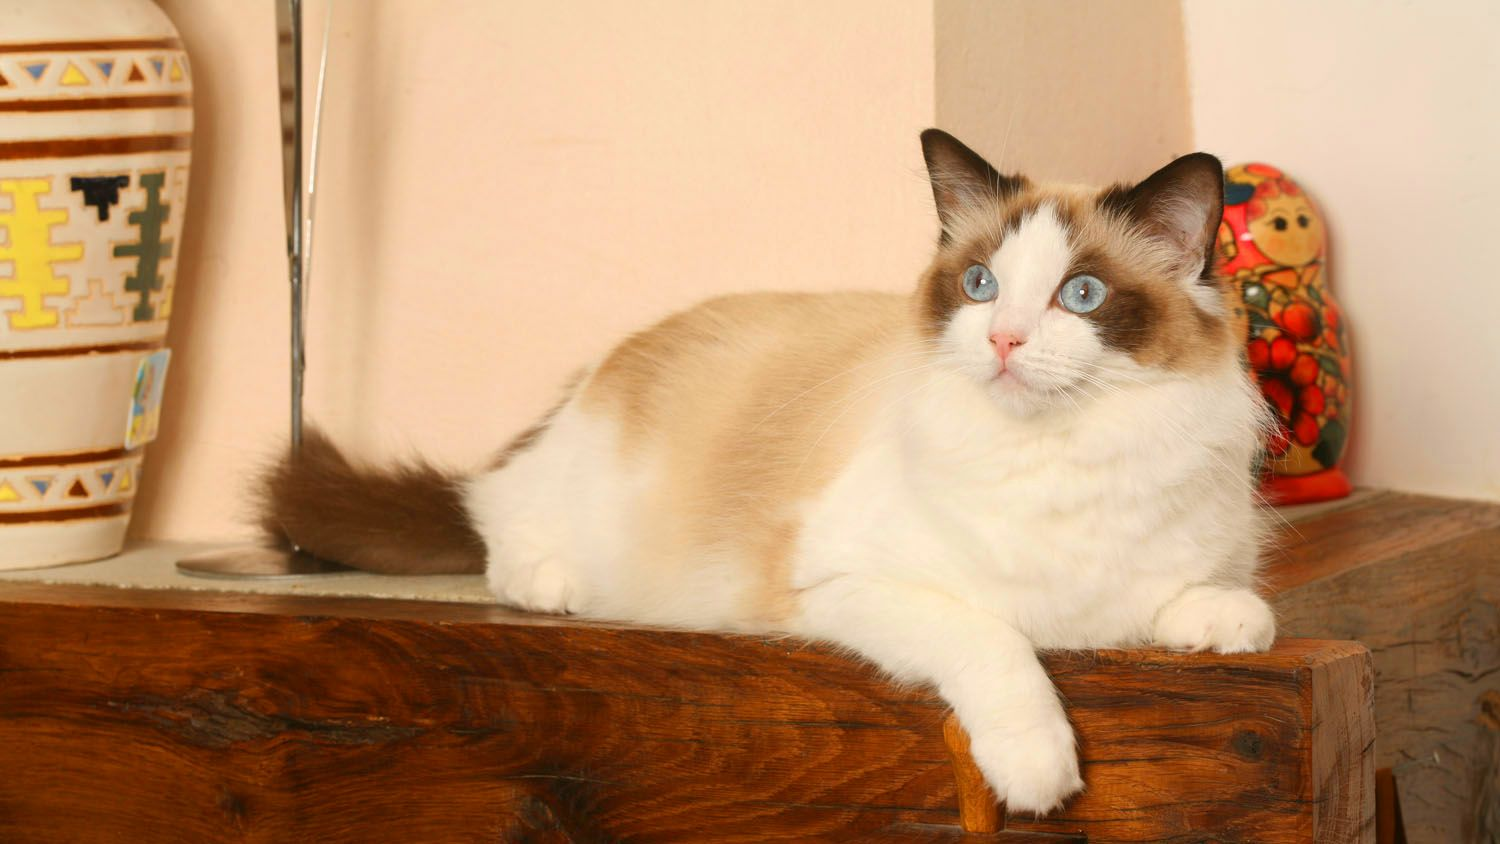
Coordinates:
[1417,580]
[275,718]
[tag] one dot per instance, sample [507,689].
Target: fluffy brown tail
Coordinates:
[406,519]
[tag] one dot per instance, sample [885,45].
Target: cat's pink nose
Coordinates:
[1005,343]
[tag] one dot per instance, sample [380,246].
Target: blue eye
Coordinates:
[1082,293]
[980,284]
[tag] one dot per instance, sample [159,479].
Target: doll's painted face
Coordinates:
[1284,224]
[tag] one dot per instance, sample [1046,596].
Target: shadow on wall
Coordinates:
[375,67]
[569,173]
[225,135]
[195,268]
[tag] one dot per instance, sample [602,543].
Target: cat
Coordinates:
[1049,444]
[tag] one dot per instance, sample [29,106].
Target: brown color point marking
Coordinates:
[410,520]
[135,73]
[738,418]
[78,490]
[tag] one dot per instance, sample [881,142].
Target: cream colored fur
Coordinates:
[821,465]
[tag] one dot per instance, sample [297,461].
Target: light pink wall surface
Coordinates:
[1387,113]
[507,189]
[1065,90]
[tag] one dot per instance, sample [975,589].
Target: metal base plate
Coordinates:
[251,562]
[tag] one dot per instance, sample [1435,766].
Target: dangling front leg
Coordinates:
[989,673]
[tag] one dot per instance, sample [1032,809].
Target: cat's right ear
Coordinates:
[962,181]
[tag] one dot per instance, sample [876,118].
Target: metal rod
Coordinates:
[294,224]
[277,563]
[312,161]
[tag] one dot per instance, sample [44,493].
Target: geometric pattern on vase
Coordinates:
[41,491]
[95,146]
[119,131]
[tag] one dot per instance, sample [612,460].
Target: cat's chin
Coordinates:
[1015,394]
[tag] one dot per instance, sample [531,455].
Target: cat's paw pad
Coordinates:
[1228,621]
[1033,770]
[546,586]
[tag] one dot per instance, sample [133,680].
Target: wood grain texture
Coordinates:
[928,834]
[1417,580]
[140,716]
[978,810]
[1156,748]
[1343,707]
[1378,526]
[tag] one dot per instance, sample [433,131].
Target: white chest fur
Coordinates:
[1074,529]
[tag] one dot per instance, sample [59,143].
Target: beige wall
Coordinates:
[510,187]
[1388,114]
[507,189]
[1069,90]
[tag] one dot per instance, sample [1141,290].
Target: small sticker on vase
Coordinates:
[145,399]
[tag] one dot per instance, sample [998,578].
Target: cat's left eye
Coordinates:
[1082,293]
[980,284]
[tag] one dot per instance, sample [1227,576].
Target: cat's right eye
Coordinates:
[980,284]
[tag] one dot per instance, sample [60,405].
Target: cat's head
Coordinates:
[1046,293]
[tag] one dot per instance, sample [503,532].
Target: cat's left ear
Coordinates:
[1181,204]
[962,181]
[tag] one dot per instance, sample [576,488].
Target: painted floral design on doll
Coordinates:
[1272,242]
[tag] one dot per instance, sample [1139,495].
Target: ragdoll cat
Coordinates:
[1047,445]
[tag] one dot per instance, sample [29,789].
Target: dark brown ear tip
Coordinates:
[933,135]
[1203,160]
[936,142]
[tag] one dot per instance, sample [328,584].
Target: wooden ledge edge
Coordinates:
[1284,654]
[1336,678]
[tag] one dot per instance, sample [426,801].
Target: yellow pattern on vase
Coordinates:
[31,251]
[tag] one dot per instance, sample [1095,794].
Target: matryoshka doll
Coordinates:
[1272,242]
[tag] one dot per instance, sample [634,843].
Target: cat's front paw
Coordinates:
[1228,621]
[544,585]
[1033,769]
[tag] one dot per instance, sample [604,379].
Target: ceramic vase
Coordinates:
[1273,244]
[96,127]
